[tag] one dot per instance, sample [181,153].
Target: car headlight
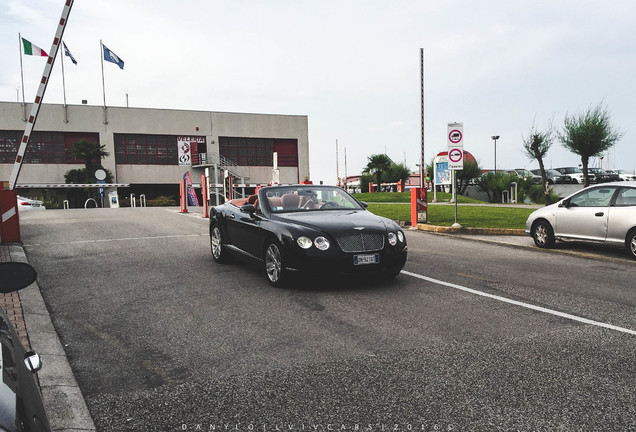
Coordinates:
[304,242]
[392,239]
[400,236]
[322,243]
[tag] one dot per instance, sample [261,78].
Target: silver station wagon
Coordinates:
[604,214]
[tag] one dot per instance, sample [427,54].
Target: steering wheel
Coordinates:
[329,204]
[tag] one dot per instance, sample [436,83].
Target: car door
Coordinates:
[622,216]
[585,215]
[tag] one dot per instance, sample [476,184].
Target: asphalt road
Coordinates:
[160,338]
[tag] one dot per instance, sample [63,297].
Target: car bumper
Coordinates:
[388,260]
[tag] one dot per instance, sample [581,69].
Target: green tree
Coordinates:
[589,134]
[494,183]
[378,164]
[465,176]
[396,172]
[536,145]
[90,153]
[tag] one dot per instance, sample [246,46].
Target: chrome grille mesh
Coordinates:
[361,242]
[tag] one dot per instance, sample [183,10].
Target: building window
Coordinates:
[44,147]
[259,151]
[138,149]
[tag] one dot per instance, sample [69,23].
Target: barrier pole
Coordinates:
[183,194]
[204,194]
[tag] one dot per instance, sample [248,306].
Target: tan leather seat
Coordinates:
[291,201]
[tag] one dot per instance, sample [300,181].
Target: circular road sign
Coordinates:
[100,174]
[455,136]
[455,155]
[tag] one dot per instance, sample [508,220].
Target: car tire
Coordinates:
[631,244]
[219,251]
[274,259]
[543,234]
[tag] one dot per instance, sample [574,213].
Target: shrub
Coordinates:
[162,201]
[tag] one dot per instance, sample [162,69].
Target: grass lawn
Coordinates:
[467,216]
[444,215]
[405,197]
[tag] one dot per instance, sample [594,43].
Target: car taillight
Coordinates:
[25,203]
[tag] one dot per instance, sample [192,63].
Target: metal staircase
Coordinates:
[223,163]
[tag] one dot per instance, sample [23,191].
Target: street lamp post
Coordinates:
[495,138]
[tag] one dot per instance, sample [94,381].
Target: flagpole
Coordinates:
[22,77]
[101,56]
[64,87]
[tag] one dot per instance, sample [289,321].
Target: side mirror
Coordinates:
[15,276]
[248,208]
[364,204]
[565,203]
[32,361]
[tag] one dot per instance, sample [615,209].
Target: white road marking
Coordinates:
[116,239]
[522,304]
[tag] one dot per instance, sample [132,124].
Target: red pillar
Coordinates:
[204,194]
[419,206]
[9,218]
[183,192]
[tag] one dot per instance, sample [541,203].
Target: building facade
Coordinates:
[154,147]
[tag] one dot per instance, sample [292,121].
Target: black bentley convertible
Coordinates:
[318,229]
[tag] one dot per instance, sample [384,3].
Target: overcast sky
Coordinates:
[351,66]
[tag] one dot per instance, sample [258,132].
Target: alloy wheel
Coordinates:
[215,243]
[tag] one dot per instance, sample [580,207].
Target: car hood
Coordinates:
[337,220]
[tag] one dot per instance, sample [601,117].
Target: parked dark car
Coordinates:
[554,177]
[307,228]
[21,405]
[602,214]
[603,176]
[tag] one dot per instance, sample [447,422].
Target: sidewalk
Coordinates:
[63,400]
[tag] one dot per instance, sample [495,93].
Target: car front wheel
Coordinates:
[631,244]
[219,252]
[275,264]
[543,234]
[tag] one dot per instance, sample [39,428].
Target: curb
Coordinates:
[63,401]
[466,230]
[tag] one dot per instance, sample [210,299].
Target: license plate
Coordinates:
[366,259]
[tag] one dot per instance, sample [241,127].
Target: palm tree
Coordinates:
[89,152]
[378,164]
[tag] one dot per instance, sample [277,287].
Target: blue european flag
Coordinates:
[112,57]
[68,53]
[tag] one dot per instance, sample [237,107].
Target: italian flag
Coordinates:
[33,49]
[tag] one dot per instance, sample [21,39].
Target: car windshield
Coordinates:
[572,170]
[283,199]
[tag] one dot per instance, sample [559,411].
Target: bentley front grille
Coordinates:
[361,242]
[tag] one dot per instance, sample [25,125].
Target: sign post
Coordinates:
[455,157]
